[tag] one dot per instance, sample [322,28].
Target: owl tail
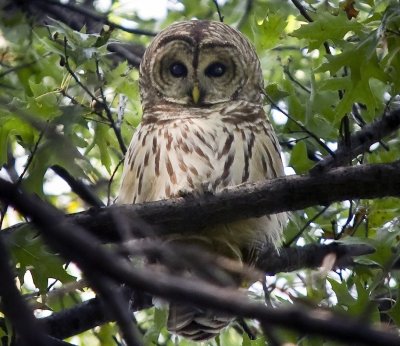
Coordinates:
[195,323]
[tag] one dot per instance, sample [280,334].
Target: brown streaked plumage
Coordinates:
[203,124]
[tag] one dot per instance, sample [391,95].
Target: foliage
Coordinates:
[66,101]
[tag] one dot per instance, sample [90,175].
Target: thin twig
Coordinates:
[304,13]
[361,141]
[307,224]
[246,329]
[101,102]
[123,51]
[302,10]
[118,305]
[16,68]
[21,176]
[349,218]
[328,51]
[114,126]
[286,70]
[72,73]
[110,181]
[220,16]
[361,122]
[316,138]
[79,187]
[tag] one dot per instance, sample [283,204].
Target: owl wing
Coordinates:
[132,176]
[257,158]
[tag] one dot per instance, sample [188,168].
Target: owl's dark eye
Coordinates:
[215,69]
[178,70]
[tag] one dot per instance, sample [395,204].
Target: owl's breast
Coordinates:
[165,161]
[169,158]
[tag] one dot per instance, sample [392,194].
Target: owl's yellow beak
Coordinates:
[196,93]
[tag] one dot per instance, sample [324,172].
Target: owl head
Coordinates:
[199,63]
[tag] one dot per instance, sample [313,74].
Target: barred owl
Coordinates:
[203,123]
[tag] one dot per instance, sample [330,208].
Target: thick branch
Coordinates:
[77,319]
[311,256]
[88,315]
[249,200]
[87,14]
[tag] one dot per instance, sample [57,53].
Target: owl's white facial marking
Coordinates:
[220,73]
[172,73]
[199,64]
[198,75]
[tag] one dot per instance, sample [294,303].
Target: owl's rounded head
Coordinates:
[199,63]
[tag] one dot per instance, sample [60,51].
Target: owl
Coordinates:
[203,124]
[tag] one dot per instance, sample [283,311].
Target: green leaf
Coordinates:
[269,30]
[11,128]
[275,93]
[319,124]
[31,254]
[326,26]
[394,312]
[248,342]
[102,140]
[159,322]
[299,158]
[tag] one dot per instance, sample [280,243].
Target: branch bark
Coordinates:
[248,200]
[88,315]
[311,256]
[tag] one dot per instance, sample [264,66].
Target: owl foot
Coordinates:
[204,189]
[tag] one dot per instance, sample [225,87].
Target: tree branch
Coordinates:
[88,315]
[361,141]
[248,200]
[131,52]
[77,319]
[79,187]
[87,13]
[310,256]
[220,16]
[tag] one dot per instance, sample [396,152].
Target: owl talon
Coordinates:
[205,189]
[185,193]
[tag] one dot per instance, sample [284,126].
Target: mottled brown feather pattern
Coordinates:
[224,140]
